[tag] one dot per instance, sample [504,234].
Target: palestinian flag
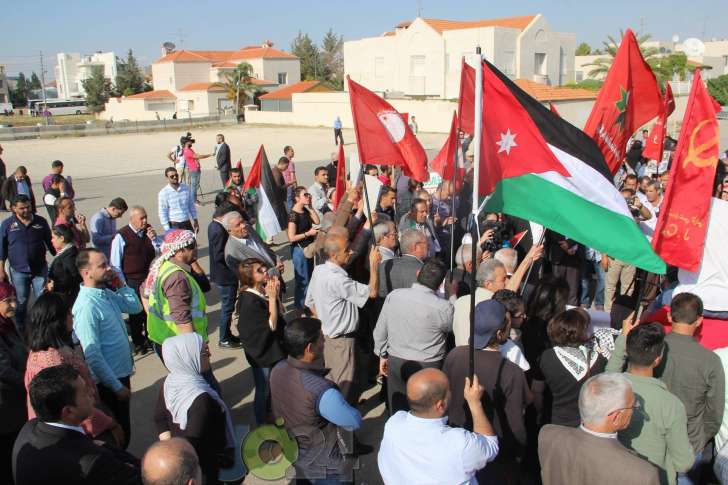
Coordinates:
[270,209]
[539,167]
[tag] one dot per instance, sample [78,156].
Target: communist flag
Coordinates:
[382,135]
[680,233]
[340,177]
[444,162]
[656,140]
[629,98]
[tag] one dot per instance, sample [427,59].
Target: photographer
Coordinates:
[635,205]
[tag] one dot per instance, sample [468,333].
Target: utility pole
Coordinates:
[42,87]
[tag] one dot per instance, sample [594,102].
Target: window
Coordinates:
[417,66]
[509,63]
[379,67]
[190,105]
[540,64]
[282,78]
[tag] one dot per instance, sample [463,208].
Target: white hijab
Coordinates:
[185,382]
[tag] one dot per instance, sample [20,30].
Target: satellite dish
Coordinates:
[169,46]
[693,47]
[675,38]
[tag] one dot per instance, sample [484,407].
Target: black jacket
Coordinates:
[47,454]
[10,190]
[13,406]
[220,274]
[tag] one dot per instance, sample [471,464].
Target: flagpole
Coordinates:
[478,135]
[366,201]
[452,207]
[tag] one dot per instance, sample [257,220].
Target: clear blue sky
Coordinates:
[89,25]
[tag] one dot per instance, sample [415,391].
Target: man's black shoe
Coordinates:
[230,344]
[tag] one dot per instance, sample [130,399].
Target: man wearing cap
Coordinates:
[411,332]
[506,389]
[176,300]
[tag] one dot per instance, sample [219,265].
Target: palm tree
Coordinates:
[239,82]
[602,64]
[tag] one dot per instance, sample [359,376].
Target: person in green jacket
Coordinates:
[658,430]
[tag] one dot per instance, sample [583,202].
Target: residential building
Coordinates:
[73,68]
[282,99]
[189,83]
[423,57]
[4,88]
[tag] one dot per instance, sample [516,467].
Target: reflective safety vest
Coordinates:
[160,323]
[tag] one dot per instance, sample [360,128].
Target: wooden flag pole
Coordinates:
[478,111]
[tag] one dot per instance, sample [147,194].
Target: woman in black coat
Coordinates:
[63,276]
[260,327]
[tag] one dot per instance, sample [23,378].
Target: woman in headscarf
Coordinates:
[261,328]
[13,356]
[49,339]
[189,407]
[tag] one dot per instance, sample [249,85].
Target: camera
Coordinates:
[500,235]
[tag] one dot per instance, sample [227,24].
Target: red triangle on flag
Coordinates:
[253,179]
[517,238]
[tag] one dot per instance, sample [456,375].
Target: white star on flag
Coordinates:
[507,141]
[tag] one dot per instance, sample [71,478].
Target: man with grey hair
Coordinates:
[385,237]
[509,258]
[491,277]
[245,243]
[171,462]
[401,272]
[591,453]
[458,284]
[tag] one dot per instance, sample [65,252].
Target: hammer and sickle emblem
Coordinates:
[694,152]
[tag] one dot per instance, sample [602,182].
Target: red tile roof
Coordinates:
[287,92]
[162,93]
[203,87]
[217,57]
[554,93]
[441,25]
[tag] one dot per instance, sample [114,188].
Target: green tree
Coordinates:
[332,51]
[129,77]
[611,45]
[583,49]
[718,88]
[35,82]
[312,63]
[667,67]
[98,90]
[239,85]
[19,95]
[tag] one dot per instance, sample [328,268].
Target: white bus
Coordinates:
[57,106]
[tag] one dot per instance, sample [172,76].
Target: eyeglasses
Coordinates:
[634,407]
[520,315]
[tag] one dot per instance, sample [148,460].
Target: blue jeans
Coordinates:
[289,197]
[194,178]
[228,295]
[303,268]
[586,277]
[693,475]
[260,402]
[23,282]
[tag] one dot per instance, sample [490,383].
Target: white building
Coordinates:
[72,68]
[423,57]
[188,82]
[4,90]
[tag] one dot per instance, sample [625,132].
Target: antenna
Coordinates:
[693,47]
[419,8]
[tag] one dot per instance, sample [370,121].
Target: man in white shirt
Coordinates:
[419,447]
[491,277]
[653,203]
[335,299]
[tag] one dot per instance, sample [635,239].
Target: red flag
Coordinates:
[680,233]
[466,101]
[629,98]
[517,238]
[554,110]
[382,136]
[340,177]
[254,175]
[656,140]
[444,162]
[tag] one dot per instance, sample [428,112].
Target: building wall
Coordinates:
[163,76]
[271,68]
[581,67]
[4,90]
[538,39]
[72,68]
[190,72]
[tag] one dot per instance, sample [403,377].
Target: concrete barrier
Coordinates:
[99,127]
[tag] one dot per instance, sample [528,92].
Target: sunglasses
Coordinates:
[173,176]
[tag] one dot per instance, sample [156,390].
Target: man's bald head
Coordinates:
[171,462]
[427,392]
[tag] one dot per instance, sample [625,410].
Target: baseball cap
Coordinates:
[490,317]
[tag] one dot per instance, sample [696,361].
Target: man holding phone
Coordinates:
[132,251]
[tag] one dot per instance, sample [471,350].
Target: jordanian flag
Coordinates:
[541,168]
[270,209]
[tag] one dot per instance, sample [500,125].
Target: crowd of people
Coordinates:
[569,385]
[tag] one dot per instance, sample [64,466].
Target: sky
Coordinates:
[87,26]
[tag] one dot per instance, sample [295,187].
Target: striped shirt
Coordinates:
[176,205]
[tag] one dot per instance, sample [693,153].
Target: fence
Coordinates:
[100,127]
